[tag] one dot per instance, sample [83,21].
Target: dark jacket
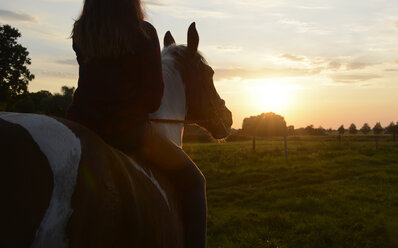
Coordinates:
[114,96]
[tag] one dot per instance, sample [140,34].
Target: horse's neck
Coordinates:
[173,106]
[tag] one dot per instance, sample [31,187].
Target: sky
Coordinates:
[320,62]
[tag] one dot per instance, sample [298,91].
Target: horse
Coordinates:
[63,186]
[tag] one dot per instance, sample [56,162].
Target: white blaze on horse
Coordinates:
[62,186]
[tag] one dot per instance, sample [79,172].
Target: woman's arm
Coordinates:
[152,84]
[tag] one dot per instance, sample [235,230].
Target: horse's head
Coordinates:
[204,105]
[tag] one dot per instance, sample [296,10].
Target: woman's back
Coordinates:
[120,83]
[119,92]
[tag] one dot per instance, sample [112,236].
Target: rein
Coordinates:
[187,122]
[172,121]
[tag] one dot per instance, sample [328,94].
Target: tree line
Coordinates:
[377,129]
[15,77]
[271,124]
[42,102]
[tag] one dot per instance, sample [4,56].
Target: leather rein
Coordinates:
[171,121]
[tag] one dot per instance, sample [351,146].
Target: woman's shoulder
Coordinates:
[150,29]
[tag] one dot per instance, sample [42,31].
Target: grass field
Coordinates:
[328,194]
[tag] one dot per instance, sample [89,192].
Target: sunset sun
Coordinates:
[271,95]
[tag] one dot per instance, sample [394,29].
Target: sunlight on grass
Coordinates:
[327,195]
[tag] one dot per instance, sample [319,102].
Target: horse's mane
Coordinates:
[180,50]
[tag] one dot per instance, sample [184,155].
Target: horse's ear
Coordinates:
[193,38]
[168,39]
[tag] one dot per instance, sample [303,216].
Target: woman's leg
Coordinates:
[191,188]
[188,181]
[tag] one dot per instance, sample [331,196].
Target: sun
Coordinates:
[271,95]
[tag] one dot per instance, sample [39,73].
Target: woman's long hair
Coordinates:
[109,28]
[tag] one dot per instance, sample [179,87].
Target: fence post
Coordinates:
[254,143]
[285,140]
[377,143]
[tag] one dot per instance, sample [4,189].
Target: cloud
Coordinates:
[153,3]
[67,61]
[353,78]
[263,73]
[57,74]
[304,27]
[314,7]
[357,65]
[391,70]
[344,63]
[17,16]
[334,65]
[229,48]
[187,12]
[396,24]
[292,57]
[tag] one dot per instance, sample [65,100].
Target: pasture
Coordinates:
[328,194]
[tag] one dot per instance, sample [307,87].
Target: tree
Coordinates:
[377,129]
[393,129]
[57,104]
[365,129]
[341,130]
[290,130]
[320,131]
[14,74]
[310,130]
[353,129]
[43,102]
[266,124]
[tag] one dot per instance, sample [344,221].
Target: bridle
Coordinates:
[172,121]
[217,119]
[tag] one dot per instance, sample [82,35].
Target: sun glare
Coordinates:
[271,95]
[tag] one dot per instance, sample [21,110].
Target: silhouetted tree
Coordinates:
[353,129]
[38,98]
[290,130]
[266,124]
[365,129]
[23,104]
[29,102]
[14,74]
[320,131]
[393,129]
[377,129]
[310,130]
[57,104]
[341,130]
[43,102]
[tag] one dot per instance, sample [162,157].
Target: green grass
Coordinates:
[328,194]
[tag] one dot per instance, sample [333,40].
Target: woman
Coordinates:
[120,83]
